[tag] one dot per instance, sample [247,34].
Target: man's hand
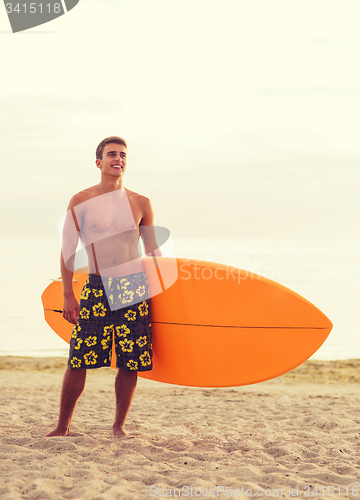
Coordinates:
[71,309]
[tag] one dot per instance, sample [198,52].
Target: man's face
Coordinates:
[114,160]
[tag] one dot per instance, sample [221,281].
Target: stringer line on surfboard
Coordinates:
[224,326]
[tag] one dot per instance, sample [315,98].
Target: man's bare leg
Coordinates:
[125,385]
[73,386]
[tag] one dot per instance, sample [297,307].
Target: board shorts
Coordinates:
[128,326]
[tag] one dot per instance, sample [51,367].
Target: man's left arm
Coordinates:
[147,230]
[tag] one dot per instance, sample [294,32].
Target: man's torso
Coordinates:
[109,229]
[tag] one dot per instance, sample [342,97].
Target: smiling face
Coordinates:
[113,160]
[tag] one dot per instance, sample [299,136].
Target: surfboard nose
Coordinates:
[323,320]
[299,312]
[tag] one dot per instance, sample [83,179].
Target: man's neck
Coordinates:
[106,185]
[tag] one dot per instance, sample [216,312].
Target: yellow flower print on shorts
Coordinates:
[128,296]
[78,344]
[85,293]
[84,313]
[102,322]
[133,365]
[99,310]
[90,341]
[105,343]
[141,341]
[143,309]
[122,331]
[75,331]
[90,358]
[76,363]
[145,359]
[141,290]
[127,345]
[108,331]
[130,315]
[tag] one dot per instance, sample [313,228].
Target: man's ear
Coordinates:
[98,163]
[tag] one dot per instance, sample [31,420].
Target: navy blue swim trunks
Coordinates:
[128,326]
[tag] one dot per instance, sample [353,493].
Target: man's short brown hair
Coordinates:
[108,140]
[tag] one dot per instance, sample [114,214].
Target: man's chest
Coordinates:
[110,214]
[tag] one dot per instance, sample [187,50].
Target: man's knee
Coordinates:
[76,371]
[126,374]
[74,375]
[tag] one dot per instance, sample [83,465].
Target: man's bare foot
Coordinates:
[121,433]
[57,432]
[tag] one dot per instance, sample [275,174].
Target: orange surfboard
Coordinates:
[216,326]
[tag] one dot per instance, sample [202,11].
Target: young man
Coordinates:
[114,303]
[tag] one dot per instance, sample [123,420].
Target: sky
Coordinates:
[240,117]
[242,124]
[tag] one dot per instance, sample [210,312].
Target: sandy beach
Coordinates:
[295,436]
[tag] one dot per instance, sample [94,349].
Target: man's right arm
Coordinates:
[71,307]
[70,241]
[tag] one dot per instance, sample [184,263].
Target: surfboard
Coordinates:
[216,326]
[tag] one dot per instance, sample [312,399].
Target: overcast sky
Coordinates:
[241,117]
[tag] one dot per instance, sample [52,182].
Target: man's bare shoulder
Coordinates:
[144,205]
[84,195]
[140,199]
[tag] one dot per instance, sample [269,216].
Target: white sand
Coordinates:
[274,435]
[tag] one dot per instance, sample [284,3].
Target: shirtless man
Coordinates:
[114,303]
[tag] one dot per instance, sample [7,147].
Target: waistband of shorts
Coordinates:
[94,279]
